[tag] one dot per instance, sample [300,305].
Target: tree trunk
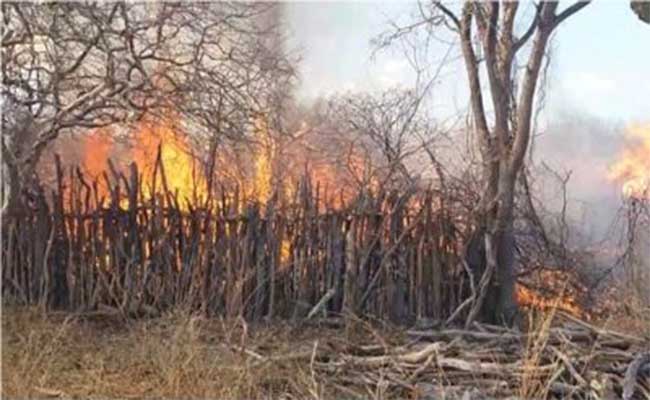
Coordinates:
[11,188]
[17,169]
[499,305]
[506,305]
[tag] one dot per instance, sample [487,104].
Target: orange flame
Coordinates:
[529,298]
[276,165]
[633,167]
[562,291]
[183,174]
[262,184]
[97,148]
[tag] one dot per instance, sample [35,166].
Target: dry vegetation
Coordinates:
[173,356]
[180,355]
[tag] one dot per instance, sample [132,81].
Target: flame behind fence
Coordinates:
[391,255]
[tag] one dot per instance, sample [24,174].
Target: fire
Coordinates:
[263,181]
[530,298]
[633,167]
[562,291]
[337,187]
[283,166]
[277,166]
[183,174]
[97,148]
[285,252]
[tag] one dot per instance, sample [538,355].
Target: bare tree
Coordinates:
[388,125]
[502,113]
[71,66]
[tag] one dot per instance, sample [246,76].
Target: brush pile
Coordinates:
[571,360]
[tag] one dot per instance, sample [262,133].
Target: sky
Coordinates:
[595,87]
[599,55]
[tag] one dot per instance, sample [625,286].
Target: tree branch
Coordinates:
[569,11]
[448,13]
[548,21]
[529,32]
[471,65]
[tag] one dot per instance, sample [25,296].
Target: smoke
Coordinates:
[584,146]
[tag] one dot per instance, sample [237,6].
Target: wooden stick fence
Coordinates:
[390,255]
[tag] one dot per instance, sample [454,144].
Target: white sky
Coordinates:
[600,56]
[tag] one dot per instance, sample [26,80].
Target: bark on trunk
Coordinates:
[499,305]
[11,188]
[18,170]
[506,305]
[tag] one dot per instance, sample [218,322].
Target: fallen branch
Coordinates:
[321,303]
[632,372]
[411,357]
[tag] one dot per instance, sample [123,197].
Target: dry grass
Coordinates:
[631,315]
[173,356]
[183,356]
[532,387]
